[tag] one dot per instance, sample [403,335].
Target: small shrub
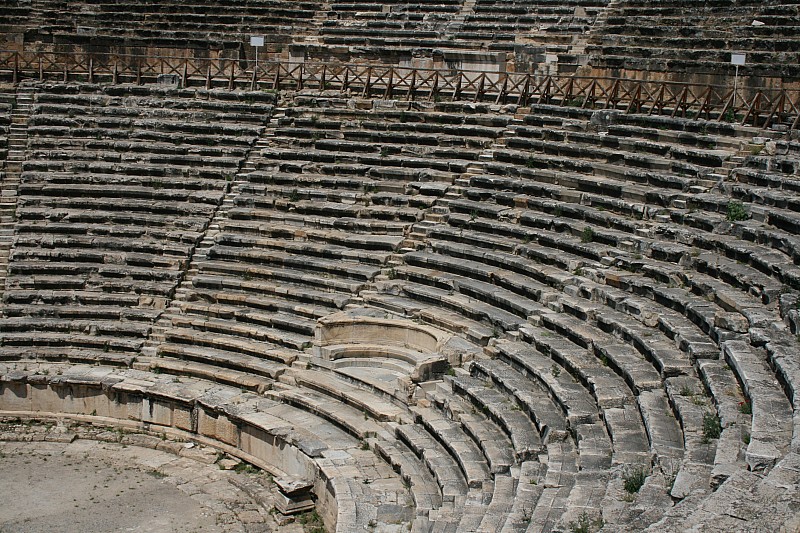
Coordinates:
[745,408]
[736,211]
[746,439]
[246,468]
[633,478]
[294,196]
[711,427]
[729,116]
[584,524]
[555,370]
[670,470]
[311,522]
[587,235]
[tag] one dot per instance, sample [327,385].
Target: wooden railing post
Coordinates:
[365,93]
[276,80]
[300,77]
[457,91]
[412,89]
[525,94]
[390,84]
[501,96]
[480,90]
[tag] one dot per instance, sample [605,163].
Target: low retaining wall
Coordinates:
[211,414]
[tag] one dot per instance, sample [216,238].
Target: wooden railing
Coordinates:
[759,107]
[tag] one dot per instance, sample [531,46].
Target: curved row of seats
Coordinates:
[611,311]
[166,25]
[118,186]
[687,37]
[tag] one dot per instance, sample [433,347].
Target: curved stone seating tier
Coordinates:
[643,36]
[174,25]
[451,321]
[535,290]
[779,356]
[290,443]
[514,423]
[720,381]
[772,425]
[450,455]
[497,313]
[382,376]
[345,239]
[606,147]
[490,439]
[289,218]
[764,498]
[99,213]
[732,273]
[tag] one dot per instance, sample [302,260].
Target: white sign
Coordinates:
[257,40]
[737,59]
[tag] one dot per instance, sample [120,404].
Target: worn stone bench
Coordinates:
[772,413]
[256,288]
[515,424]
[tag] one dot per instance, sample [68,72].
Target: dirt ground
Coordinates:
[93,487]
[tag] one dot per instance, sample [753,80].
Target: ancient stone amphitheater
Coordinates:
[468,265]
